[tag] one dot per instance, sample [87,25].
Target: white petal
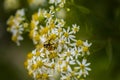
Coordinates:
[84,61]
[87,64]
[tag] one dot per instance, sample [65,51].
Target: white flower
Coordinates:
[68,55]
[83,68]
[76,52]
[62,45]
[85,48]
[75,28]
[65,67]
[68,35]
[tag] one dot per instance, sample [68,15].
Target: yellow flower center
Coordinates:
[32,24]
[45,76]
[30,72]
[52,25]
[38,76]
[14,38]
[35,17]
[52,37]
[82,66]
[79,42]
[65,68]
[37,37]
[34,66]
[30,55]
[75,29]
[37,53]
[68,54]
[31,34]
[85,49]
[40,64]
[53,55]
[66,34]
[44,30]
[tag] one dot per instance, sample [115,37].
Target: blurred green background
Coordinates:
[99,22]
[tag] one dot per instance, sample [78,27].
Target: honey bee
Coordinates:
[49,46]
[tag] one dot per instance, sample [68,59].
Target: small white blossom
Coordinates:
[83,67]
[75,28]
[68,35]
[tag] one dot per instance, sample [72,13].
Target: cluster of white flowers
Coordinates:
[58,55]
[17,25]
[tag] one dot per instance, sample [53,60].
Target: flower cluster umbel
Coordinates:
[58,55]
